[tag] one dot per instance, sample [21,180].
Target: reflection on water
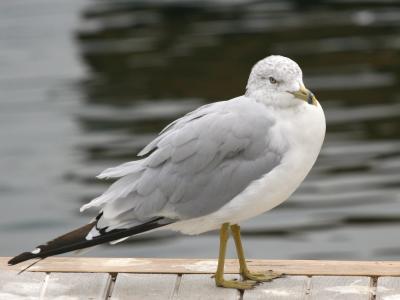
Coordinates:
[148,63]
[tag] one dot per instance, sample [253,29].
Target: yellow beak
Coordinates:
[304,94]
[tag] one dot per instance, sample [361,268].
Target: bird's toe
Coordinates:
[261,277]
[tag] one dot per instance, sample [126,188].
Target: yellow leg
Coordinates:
[244,271]
[219,275]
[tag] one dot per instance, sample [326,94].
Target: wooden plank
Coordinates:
[144,286]
[24,286]
[340,287]
[202,287]
[286,288]
[205,266]
[388,288]
[77,286]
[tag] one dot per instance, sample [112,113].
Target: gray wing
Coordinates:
[195,166]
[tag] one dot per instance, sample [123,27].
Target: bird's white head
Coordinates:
[279,80]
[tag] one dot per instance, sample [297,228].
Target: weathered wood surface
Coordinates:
[111,281]
[202,287]
[76,286]
[144,286]
[25,286]
[388,288]
[205,266]
[340,287]
[286,288]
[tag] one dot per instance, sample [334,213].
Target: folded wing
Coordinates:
[195,166]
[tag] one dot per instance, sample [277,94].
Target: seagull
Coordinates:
[213,168]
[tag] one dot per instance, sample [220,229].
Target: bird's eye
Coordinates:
[272,80]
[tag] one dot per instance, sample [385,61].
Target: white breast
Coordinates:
[303,129]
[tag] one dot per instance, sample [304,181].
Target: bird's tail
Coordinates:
[77,239]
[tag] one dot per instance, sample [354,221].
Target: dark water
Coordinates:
[84,86]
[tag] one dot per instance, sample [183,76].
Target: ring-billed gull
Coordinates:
[213,168]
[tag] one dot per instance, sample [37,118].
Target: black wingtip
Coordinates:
[76,240]
[21,258]
[55,246]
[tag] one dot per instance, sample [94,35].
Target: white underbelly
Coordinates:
[260,196]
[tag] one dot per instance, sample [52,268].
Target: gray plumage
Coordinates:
[196,165]
[224,163]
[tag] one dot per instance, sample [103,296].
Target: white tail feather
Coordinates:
[122,170]
[119,189]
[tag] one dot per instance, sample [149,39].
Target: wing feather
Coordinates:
[196,165]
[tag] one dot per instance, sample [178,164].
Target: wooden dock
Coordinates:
[131,278]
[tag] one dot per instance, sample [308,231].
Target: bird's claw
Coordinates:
[235,284]
[261,277]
